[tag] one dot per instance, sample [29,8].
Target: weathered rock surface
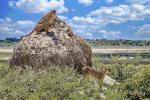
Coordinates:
[51,42]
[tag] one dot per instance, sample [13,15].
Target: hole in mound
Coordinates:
[51,34]
[55,39]
[42,30]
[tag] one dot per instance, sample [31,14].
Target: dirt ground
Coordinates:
[6,50]
[98,50]
[119,50]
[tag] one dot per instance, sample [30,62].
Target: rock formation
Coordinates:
[51,42]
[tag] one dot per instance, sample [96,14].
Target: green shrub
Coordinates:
[56,82]
[59,82]
[115,93]
[138,86]
[122,71]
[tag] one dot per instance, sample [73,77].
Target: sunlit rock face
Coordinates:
[51,42]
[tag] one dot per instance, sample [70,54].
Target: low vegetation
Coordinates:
[51,84]
[135,87]
[134,79]
[59,82]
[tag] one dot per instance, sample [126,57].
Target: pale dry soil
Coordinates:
[98,50]
[113,50]
[5,53]
[6,50]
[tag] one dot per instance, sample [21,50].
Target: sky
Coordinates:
[90,19]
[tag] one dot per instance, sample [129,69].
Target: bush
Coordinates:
[53,83]
[122,71]
[115,93]
[138,86]
[58,82]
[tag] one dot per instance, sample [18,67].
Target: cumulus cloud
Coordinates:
[121,13]
[85,2]
[138,1]
[89,21]
[83,19]
[97,20]
[116,15]
[144,30]
[109,34]
[62,17]
[90,29]
[15,29]
[39,6]
[85,30]
[90,2]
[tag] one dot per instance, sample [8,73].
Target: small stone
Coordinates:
[70,34]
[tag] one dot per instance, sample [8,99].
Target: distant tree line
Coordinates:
[101,42]
[9,40]
[118,42]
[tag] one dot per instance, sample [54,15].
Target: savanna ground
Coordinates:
[130,66]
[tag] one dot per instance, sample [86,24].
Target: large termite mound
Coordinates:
[51,42]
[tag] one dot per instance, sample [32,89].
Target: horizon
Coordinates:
[83,38]
[90,19]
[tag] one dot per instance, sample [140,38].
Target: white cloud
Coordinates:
[82,19]
[96,21]
[15,29]
[88,28]
[109,34]
[116,15]
[62,17]
[85,30]
[90,21]
[86,35]
[38,6]
[85,2]
[122,13]
[138,1]
[144,30]
[6,20]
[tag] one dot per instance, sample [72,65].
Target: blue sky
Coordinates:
[93,19]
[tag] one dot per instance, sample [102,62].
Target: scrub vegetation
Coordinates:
[63,82]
